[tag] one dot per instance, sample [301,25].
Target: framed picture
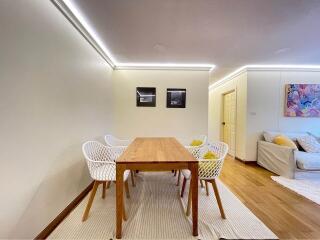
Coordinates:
[302,100]
[176,97]
[146,96]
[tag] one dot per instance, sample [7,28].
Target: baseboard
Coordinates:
[246,162]
[51,226]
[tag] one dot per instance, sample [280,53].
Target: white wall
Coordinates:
[55,93]
[132,121]
[239,85]
[260,106]
[266,100]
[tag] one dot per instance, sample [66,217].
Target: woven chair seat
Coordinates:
[107,172]
[186,173]
[101,160]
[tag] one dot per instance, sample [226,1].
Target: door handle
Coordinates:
[223,123]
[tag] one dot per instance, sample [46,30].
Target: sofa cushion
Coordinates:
[316,135]
[270,135]
[309,144]
[307,161]
[284,141]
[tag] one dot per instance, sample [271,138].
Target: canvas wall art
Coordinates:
[146,96]
[302,100]
[176,98]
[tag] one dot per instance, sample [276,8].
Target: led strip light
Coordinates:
[262,67]
[71,12]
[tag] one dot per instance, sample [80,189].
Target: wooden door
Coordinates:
[229,121]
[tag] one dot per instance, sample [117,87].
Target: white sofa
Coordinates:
[285,161]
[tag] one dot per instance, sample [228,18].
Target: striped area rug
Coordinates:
[155,211]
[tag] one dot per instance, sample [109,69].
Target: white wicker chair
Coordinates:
[112,141]
[187,143]
[102,168]
[209,170]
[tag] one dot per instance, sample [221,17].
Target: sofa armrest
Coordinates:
[277,159]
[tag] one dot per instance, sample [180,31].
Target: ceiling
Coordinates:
[227,33]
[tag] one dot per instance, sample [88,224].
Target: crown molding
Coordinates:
[75,19]
[246,68]
[65,10]
[283,67]
[159,66]
[228,77]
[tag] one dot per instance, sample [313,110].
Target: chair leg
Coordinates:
[207,188]
[179,175]
[216,192]
[189,202]
[104,190]
[183,186]
[124,215]
[92,194]
[201,183]
[108,184]
[175,173]
[126,186]
[132,178]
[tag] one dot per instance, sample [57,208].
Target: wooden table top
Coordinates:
[156,150]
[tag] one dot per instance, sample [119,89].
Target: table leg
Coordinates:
[194,189]
[119,198]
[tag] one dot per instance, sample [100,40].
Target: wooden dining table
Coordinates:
[156,154]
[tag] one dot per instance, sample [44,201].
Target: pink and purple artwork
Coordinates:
[302,100]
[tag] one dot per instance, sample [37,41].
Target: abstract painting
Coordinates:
[176,97]
[302,100]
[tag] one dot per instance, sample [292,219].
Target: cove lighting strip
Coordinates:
[177,66]
[78,21]
[72,13]
[262,67]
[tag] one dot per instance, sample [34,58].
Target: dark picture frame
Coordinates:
[146,96]
[176,97]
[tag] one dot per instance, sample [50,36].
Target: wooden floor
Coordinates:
[287,214]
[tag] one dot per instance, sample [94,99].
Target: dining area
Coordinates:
[159,188]
[116,161]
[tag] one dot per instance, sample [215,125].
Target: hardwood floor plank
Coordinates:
[287,214]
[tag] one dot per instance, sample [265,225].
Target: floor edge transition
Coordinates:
[57,220]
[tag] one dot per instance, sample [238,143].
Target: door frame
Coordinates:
[235,119]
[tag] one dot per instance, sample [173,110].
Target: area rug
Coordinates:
[155,211]
[306,184]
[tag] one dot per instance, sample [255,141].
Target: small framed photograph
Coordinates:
[146,96]
[176,97]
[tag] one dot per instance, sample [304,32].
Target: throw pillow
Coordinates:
[270,135]
[284,141]
[195,143]
[309,144]
[210,155]
[208,165]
